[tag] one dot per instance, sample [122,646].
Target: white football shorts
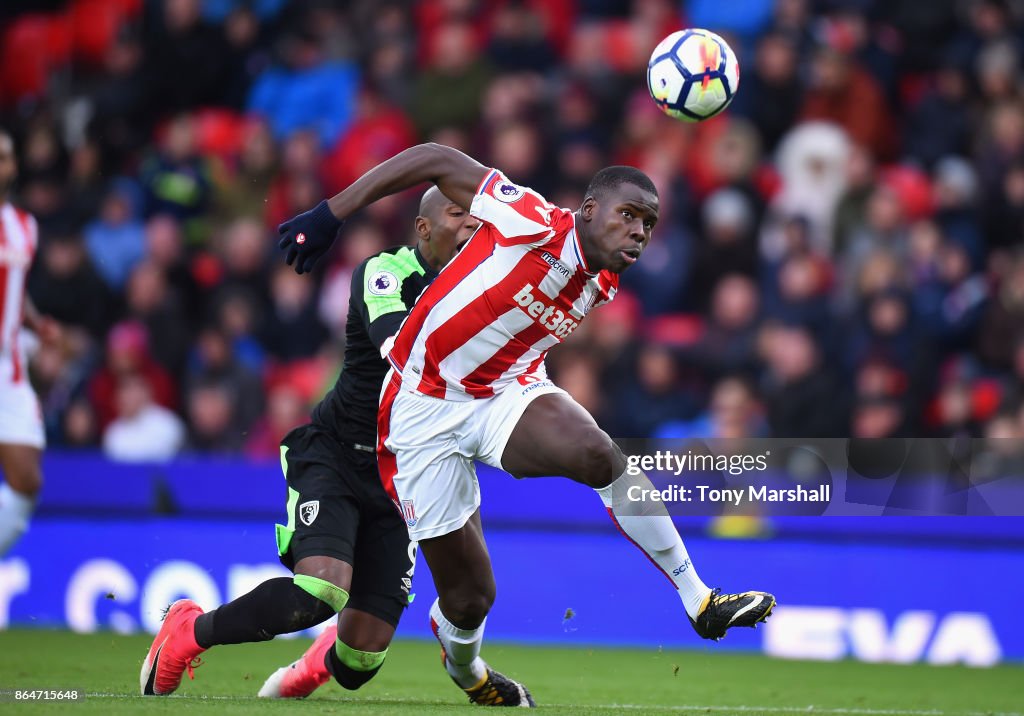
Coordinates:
[21,420]
[427,446]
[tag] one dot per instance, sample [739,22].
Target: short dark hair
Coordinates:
[611,177]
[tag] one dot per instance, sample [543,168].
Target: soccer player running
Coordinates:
[345,542]
[468,383]
[22,438]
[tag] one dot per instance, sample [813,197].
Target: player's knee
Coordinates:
[467,610]
[599,460]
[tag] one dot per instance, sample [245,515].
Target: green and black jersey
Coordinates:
[384,289]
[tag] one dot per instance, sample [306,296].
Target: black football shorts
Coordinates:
[338,508]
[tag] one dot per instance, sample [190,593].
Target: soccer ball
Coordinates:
[693,75]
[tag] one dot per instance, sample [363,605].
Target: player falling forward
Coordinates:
[468,383]
[344,541]
[21,424]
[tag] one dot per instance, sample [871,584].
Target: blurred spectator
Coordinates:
[652,394]
[292,328]
[64,284]
[211,418]
[115,241]
[296,187]
[449,89]
[306,91]
[951,303]
[213,361]
[517,41]
[744,17]
[803,396]
[729,340]
[177,179]
[940,124]
[1002,327]
[851,211]
[728,246]
[142,430]
[843,93]
[85,186]
[127,354]
[79,427]
[771,91]
[238,313]
[244,249]
[186,59]
[244,192]
[151,302]
[813,160]
[878,418]
[378,132]
[286,410]
[734,411]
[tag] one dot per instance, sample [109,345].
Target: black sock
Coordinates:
[276,606]
[347,677]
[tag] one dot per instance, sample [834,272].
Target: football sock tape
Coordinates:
[331,594]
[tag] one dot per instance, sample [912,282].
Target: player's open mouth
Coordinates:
[630,256]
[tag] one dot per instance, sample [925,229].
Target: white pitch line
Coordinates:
[678,708]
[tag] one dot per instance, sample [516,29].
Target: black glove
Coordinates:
[308,236]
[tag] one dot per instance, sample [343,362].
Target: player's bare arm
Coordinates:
[455,174]
[308,236]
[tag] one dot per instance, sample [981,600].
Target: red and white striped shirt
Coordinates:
[518,287]
[18,241]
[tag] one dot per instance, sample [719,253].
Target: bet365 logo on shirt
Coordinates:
[544,313]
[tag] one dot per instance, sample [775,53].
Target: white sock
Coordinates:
[462,647]
[15,510]
[649,526]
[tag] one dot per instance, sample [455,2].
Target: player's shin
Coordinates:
[648,525]
[15,511]
[461,648]
[352,668]
[277,606]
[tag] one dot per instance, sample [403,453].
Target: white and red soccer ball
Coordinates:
[693,75]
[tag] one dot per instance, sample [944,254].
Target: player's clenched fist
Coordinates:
[308,236]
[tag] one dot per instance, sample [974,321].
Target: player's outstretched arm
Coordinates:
[308,236]
[455,174]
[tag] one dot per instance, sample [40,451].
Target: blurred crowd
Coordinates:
[838,254]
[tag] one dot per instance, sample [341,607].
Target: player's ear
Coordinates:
[588,208]
[422,228]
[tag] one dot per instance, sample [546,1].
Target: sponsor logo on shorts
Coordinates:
[409,513]
[308,511]
[507,192]
[539,309]
[382,283]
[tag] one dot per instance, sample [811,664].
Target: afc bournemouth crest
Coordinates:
[409,513]
[308,511]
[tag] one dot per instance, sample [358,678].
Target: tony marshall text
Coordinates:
[736,496]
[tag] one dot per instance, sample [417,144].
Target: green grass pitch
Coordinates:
[563,680]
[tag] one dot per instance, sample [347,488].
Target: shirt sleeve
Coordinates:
[519,214]
[378,290]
